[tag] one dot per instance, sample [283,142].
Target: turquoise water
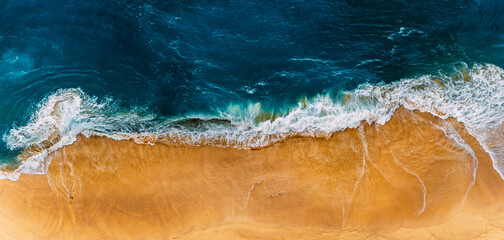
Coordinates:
[214,67]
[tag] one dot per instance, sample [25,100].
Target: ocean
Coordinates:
[242,74]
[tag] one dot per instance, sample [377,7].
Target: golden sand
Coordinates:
[404,180]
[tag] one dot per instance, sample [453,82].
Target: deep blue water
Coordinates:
[182,57]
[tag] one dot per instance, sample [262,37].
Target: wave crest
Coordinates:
[473,96]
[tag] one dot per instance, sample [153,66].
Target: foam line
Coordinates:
[474,97]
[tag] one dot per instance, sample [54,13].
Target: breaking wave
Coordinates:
[474,96]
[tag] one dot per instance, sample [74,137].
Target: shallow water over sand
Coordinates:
[416,176]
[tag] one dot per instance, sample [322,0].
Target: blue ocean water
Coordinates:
[174,59]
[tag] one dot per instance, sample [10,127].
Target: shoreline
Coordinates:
[404,178]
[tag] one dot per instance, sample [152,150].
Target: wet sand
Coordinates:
[412,178]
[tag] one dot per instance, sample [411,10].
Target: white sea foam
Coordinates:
[478,103]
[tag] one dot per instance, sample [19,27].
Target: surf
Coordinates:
[474,96]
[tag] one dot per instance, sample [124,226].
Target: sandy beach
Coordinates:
[416,177]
